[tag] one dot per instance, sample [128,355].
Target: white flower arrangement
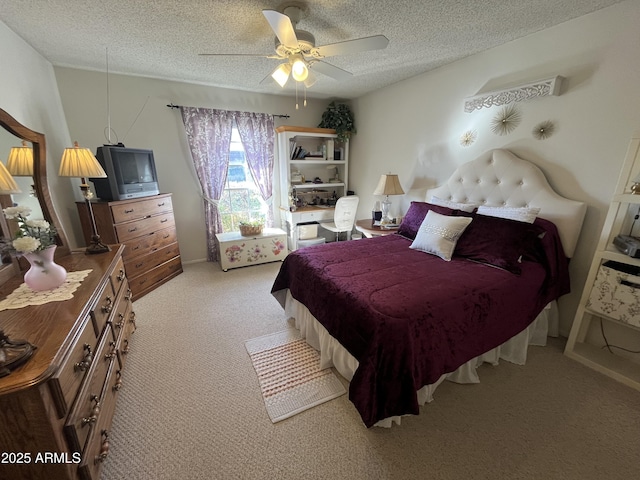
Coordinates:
[32,235]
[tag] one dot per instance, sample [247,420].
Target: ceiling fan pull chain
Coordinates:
[296,95]
[305,96]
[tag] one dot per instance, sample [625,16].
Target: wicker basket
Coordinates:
[250,230]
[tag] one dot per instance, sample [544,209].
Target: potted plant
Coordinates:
[338,116]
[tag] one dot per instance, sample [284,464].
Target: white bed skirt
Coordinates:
[333,354]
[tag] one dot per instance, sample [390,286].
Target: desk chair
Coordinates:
[344,216]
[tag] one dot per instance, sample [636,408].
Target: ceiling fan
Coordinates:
[298,50]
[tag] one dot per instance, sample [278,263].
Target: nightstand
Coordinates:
[369,230]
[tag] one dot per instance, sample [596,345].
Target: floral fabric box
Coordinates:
[235,250]
[616,293]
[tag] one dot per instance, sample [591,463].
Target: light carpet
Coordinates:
[289,373]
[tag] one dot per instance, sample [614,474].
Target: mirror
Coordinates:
[35,190]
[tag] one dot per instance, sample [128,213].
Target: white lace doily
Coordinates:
[23,296]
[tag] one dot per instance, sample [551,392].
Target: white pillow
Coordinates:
[438,234]
[521,214]
[465,207]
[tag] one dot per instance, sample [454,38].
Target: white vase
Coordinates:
[44,273]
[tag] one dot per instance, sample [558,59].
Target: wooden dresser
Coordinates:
[146,227]
[56,409]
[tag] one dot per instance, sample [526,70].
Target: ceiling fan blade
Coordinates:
[330,70]
[281,25]
[377,42]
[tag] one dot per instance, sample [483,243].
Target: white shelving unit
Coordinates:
[619,220]
[300,173]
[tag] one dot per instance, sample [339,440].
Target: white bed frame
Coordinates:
[499,178]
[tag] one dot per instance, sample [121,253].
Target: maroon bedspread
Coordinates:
[408,317]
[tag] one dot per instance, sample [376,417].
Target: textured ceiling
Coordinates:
[162,38]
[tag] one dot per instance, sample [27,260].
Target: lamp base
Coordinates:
[386,212]
[13,353]
[96,246]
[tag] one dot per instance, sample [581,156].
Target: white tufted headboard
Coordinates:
[500,178]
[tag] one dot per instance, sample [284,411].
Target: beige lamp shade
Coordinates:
[20,161]
[80,162]
[388,185]
[7,183]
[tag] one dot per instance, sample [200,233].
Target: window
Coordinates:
[241,200]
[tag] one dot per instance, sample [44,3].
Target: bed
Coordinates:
[472,276]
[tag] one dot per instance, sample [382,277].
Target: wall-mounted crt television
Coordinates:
[131,173]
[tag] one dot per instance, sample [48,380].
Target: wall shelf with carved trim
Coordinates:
[540,88]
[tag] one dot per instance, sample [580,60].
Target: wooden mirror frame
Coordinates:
[40,184]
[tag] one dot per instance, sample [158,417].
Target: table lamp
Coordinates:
[20,163]
[81,163]
[388,185]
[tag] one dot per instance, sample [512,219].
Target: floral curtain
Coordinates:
[209,136]
[256,133]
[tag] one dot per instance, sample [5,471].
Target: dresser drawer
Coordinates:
[139,265]
[145,226]
[150,243]
[102,309]
[140,209]
[96,448]
[154,277]
[122,307]
[123,344]
[118,276]
[65,383]
[316,216]
[88,406]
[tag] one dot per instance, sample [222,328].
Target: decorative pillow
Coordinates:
[465,207]
[521,214]
[415,216]
[438,234]
[499,242]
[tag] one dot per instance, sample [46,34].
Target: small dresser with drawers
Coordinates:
[56,409]
[146,226]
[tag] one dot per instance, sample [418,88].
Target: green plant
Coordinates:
[338,116]
[252,223]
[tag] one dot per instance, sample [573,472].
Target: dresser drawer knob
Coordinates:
[108,305]
[125,350]
[118,385]
[121,275]
[120,324]
[128,295]
[131,230]
[104,449]
[129,210]
[86,360]
[164,220]
[95,411]
[132,319]
[112,353]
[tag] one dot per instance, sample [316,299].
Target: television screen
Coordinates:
[131,173]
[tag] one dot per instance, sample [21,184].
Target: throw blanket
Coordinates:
[408,317]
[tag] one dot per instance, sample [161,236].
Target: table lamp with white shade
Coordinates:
[81,163]
[388,185]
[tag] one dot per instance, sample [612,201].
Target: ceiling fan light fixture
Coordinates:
[299,69]
[281,74]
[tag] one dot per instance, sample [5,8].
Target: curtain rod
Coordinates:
[171,105]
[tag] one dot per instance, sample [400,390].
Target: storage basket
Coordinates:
[616,293]
[250,230]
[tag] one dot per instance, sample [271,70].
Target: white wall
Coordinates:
[413,128]
[84,96]
[29,92]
